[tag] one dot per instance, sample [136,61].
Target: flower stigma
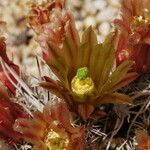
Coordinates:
[82,73]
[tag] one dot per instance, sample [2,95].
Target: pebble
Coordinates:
[108,14]
[99,4]
[104,28]
[90,21]
[98,13]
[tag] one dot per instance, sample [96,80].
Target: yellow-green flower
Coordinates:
[51,129]
[86,71]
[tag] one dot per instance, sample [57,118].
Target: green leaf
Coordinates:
[116,76]
[90,37]
[108,63]
[95,61]
[85,110]
[57,63]
[89,40]
[82,59]
[69,54]
[125,81]
[53,51]
[72,33]
[115,98]
[53,88]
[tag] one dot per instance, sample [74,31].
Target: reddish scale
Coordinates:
[9,112]
[45,56]
[135,47]
[3,77]
[40,18]
[5,80]
[134,39]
